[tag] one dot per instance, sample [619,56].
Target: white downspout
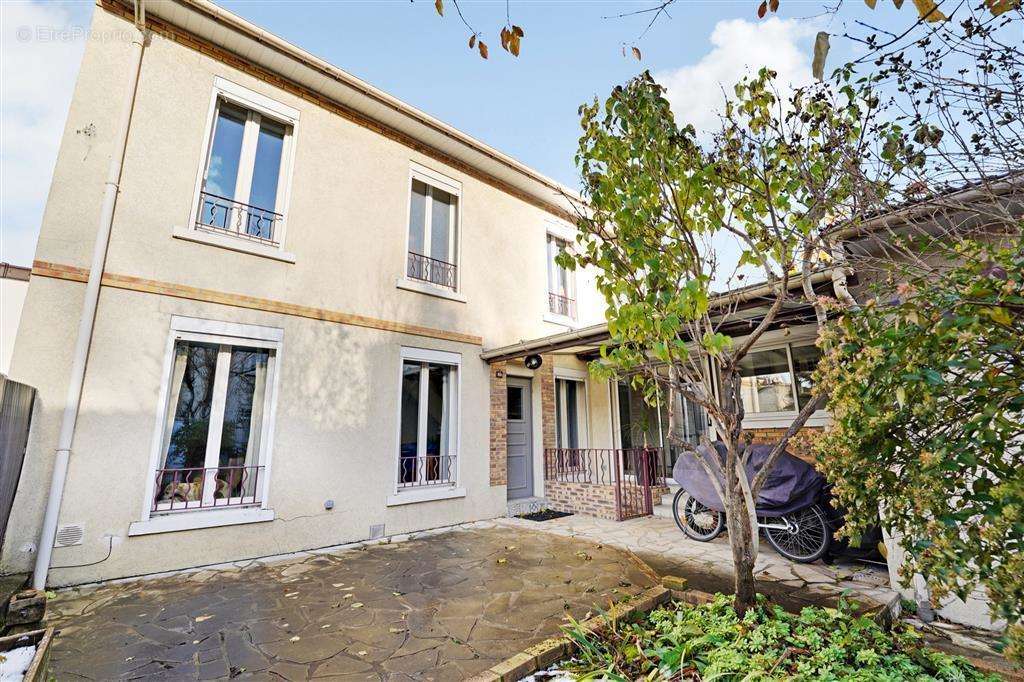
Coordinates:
[48,533]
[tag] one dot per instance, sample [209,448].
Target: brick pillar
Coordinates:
[499,425]
[547,400]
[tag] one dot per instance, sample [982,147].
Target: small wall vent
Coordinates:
[377,531]
[69,535]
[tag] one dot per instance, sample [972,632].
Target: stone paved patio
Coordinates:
[708,565]
[439,607]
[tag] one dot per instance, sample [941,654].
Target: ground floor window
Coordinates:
[214,429]
[777,380]
[427,451]
[645,425]
[570,413]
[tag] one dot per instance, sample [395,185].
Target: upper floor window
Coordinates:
[243,188]
[433,231]
[561,283]
[777,380]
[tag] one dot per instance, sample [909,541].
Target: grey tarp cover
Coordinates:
[792,485]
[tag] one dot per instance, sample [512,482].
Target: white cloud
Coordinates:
[40,50]
[739,48]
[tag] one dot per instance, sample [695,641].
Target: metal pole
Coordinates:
[48,532]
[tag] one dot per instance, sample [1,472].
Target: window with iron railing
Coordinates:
[433,235]
[561,283]
[242,189]
[212,444]
[428,422]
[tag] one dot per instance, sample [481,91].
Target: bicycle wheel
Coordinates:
[806,537]
[694,519]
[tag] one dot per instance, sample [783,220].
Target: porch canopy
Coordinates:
[745,306]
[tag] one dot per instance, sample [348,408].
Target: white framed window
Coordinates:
[432,256]
[561,282]
[777,380]
[571,420]
[428,420]
[243,187]
[215,426]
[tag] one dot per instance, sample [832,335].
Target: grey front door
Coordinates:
[520,440]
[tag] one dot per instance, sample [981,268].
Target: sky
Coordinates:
[525,107]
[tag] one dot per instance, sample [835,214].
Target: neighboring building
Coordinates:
[13,287]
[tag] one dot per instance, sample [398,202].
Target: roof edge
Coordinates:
[288,50]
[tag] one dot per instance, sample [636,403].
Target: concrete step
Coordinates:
[526,505]
[666,500]
[663,510]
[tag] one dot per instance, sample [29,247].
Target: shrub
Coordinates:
[711,642]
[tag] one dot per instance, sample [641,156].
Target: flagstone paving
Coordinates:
[708,565]
[440,607]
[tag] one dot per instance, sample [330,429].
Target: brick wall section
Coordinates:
[800,445]
[581,498]
[546,374]
[499,424]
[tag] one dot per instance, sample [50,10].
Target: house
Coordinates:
[300,277]
[313,315]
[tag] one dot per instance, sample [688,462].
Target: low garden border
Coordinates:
[540,656]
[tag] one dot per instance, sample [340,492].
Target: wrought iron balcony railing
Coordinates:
[203,488]
[220,215]
[432,270]
[561,305]
[417,472]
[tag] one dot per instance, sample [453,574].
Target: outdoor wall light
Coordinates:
[533,361]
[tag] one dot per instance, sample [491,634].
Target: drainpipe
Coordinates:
[839,275]
[48,533]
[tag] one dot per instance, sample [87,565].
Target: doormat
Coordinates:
[544,515]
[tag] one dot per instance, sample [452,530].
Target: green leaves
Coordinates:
[710,642]
[716,343]
[927,416]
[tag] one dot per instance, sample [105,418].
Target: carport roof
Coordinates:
[748,300]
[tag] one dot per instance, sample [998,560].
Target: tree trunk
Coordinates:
[741,540]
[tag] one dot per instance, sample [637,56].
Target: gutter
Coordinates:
[48,533]
[599,332]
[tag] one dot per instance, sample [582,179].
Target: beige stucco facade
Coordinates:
[337,401]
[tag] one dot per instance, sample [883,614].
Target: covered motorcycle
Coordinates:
[792,505]
[793,484]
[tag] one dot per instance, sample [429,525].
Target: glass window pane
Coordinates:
[559,436]
[187,447]
[442,207]
[226,151]
[436,465]
[515,403]
[417,217]
[572,417]
[191,401]
[766,384]
[805,360]
[558,277]
[409,421]
[265,175]
[222,171]
[625,430]
[243,422]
